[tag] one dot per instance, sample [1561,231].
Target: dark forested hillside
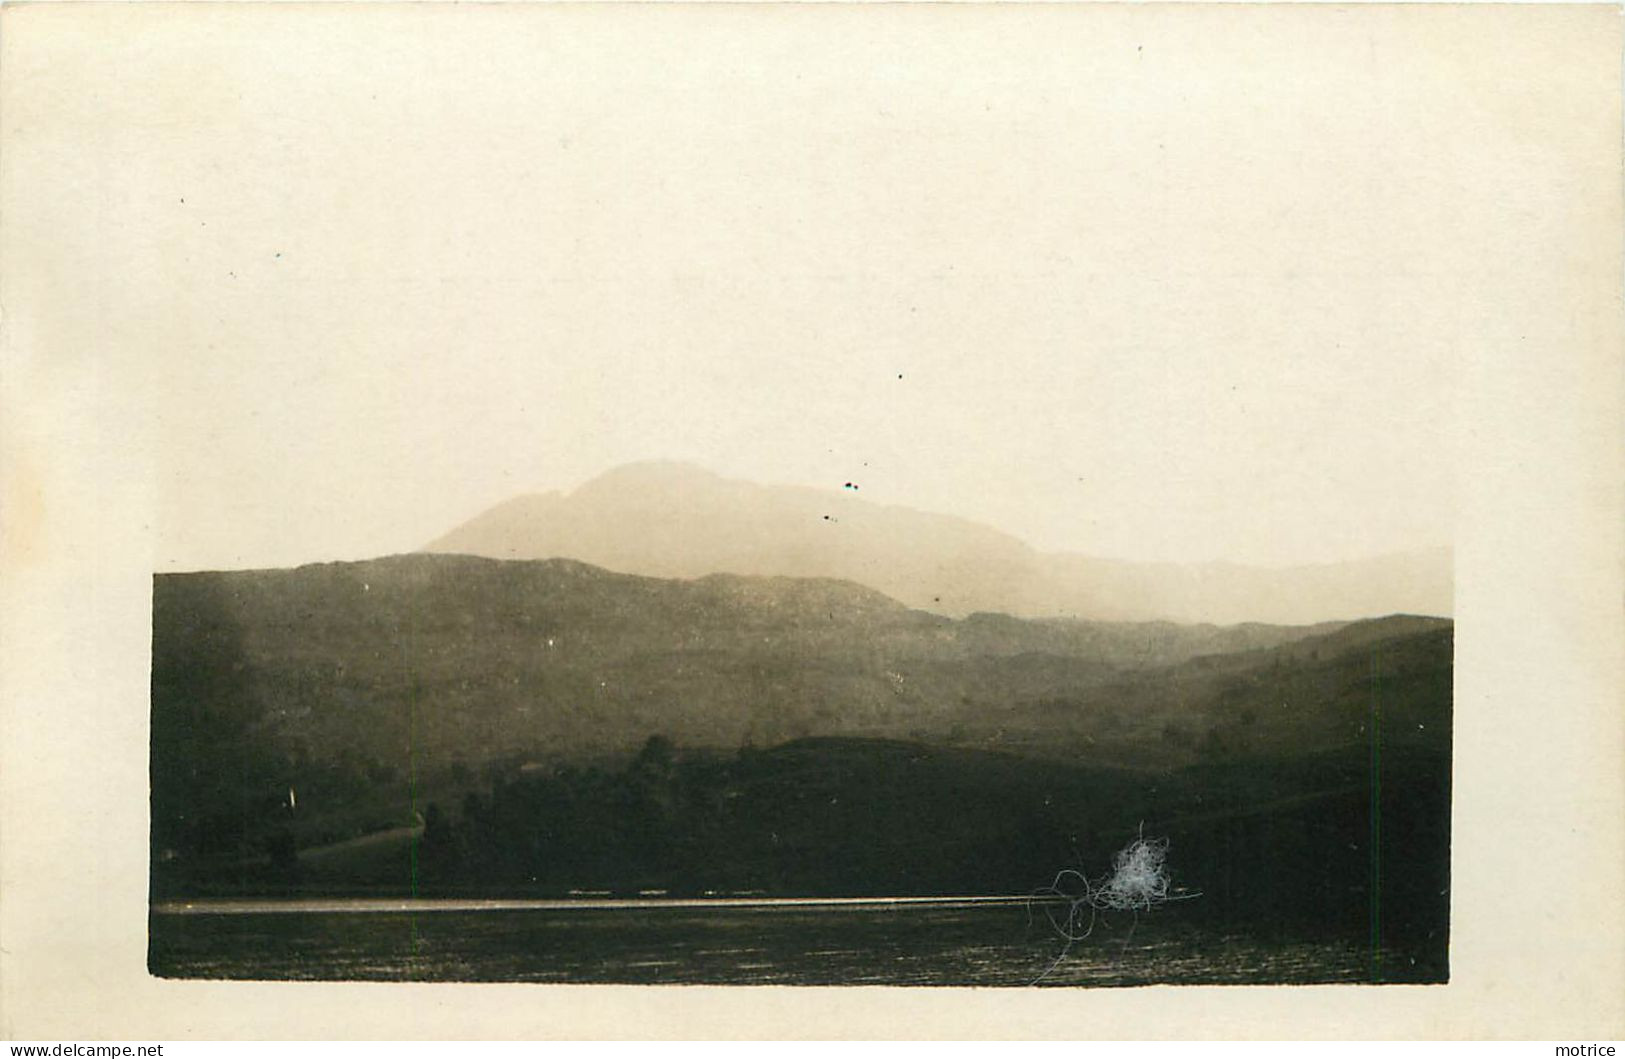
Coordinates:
[552,724]
[453,658]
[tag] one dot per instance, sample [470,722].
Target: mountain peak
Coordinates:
[662,518]
[646,474]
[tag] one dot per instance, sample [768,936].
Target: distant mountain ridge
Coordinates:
[678,521]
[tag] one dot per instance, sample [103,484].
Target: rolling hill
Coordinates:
[369,687]
[454,658]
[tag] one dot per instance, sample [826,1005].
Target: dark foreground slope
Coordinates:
[1350,844]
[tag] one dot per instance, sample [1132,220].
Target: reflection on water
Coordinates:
[651,942]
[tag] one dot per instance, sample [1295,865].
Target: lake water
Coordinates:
[998,942]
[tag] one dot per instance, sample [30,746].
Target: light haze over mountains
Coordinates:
[664,519]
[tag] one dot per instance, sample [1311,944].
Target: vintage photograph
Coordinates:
[672,727]
[808,495]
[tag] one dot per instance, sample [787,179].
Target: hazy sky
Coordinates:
[1124,285]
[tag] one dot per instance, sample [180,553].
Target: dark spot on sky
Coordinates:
[849,485]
